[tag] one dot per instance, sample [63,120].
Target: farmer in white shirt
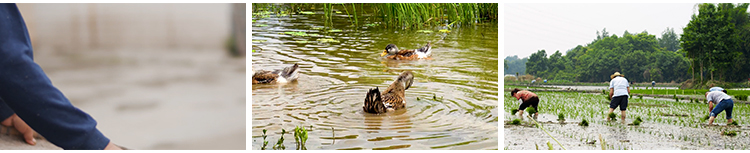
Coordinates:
[619,91]
[723,102]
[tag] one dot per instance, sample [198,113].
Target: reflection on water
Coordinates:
[451,105]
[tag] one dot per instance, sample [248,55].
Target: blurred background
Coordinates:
[154,76]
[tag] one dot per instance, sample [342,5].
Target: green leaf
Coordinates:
[306,12]
[424,31]
[327,40]
[445,31]
[334,30]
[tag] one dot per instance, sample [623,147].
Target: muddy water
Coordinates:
[658,131]
[334,78]
[156,98]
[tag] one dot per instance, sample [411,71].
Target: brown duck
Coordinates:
[392,52]
[392,98]
[285,75]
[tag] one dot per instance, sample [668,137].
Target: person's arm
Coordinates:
[628,90]
[710,106]
[611,92]
[26,89]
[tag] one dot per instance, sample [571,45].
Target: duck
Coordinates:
[288,74]
[392,52]
[392,98]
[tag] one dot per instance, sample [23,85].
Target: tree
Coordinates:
[537,64]
[715,40]
[669,40]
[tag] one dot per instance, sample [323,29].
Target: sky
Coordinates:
[532,27]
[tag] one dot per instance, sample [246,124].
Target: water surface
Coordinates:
[451,105]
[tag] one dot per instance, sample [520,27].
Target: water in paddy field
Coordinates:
[328,96]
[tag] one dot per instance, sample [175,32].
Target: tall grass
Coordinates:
[418,14]
[399,15]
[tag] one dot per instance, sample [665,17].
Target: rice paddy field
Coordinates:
[665,124]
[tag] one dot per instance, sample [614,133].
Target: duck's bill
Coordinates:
[383,54]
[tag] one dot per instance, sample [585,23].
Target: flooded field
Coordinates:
[451,105]
[666,125]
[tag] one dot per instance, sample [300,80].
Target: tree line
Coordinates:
[715,45]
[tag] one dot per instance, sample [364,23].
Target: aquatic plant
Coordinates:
[561,117]
[515,122]
[584,122]
[280,144]
[300,137]
[265,143]
[513,111]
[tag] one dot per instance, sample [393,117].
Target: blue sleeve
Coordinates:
[5,111]
[26,89]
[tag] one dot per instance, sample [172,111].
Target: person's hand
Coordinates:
[21,126]
[112,146]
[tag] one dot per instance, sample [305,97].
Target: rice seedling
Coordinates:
[612,116]
[561,117]
[280,144]
[513,111]
[550,145]
[515,122]
[735,123]
[265,143]
[729,133]
[300,137]
[584,122]
[531,110]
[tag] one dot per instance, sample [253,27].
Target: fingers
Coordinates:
[28,133]
[29,136]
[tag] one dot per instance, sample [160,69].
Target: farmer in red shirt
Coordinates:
[529,99]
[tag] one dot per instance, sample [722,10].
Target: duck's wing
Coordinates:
[404,55]
[264,77]
[374,102]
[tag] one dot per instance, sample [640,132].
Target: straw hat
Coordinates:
[616,74]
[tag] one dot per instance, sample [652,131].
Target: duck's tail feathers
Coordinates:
[427,49]
[373,102]
[290,73]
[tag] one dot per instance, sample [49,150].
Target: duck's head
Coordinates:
[391,49]
[406,79]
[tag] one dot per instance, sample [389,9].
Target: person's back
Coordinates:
[620,86]
[717,96]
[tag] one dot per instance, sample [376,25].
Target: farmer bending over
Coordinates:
[528,99]
[619,90]
[723,102]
